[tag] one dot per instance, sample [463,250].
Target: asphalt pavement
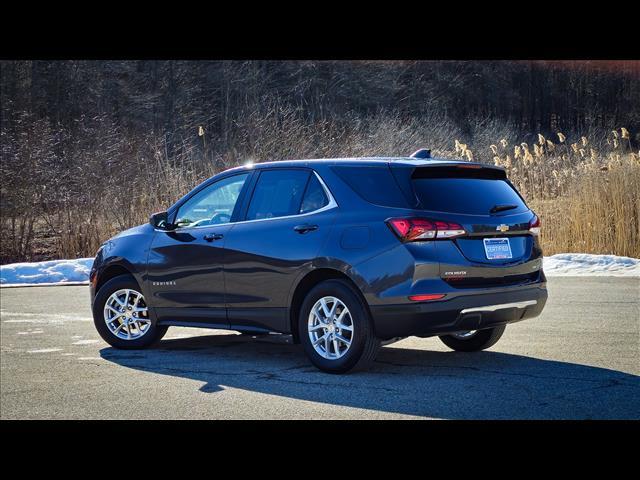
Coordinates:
[579,360]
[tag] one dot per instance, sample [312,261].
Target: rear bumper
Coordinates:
[464,312]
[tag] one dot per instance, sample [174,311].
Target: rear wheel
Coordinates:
[473,340]
[121,315]
[335,328]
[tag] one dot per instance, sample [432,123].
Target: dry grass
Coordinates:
[586,192]
[584,188]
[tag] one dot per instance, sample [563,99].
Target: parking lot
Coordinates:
[579,360]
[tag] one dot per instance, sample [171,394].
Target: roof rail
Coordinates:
[421,154]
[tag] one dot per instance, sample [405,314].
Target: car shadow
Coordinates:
[450,385]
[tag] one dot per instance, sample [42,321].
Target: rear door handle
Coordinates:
[210,237]
[305,228]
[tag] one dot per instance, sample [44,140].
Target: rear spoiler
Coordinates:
[404,173]
[461,170]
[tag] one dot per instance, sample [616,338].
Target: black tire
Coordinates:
[365,346]
[482,340]
[152,336]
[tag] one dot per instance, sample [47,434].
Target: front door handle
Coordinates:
[305,228]
[210,237]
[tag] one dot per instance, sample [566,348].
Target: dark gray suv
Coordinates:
[344,254]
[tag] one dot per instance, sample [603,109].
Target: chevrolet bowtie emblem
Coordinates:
[502,228]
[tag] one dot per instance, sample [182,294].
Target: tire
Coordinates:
[481,340]
[149,334]
[364,345]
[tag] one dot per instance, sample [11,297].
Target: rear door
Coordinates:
[287,219]
[498,247]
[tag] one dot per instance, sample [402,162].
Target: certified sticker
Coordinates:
[497,248]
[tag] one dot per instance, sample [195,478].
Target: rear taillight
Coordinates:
[534,226]
[417,229]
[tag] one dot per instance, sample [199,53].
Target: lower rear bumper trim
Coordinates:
[502,306]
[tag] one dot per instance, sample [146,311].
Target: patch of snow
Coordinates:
[52,322]
[48,318]
[31,332]
[76,272]
[85,342]
[584,264]
[50,272]
[45,284]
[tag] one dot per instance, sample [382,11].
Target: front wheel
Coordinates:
[473,340]
[121,315]
[335,328]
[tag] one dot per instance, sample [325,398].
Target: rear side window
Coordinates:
[314,197]
[374,184]
[277,193]
[473,196]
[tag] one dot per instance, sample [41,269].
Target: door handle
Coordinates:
[210,237]
[305,228]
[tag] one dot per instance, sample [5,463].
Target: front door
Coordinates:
[184,267]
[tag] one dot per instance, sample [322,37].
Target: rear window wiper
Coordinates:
[502,208]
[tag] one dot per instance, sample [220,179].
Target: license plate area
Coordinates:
[497,248]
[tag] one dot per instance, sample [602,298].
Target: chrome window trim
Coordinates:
[332,204]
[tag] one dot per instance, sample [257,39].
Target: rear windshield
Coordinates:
[374,184]
[473,196]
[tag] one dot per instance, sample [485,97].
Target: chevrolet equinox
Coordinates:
[342,254]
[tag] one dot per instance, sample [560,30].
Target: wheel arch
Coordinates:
[110,272]
[304,286]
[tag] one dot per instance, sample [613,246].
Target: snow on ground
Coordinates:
[46,273]
[585,264]
[58,272]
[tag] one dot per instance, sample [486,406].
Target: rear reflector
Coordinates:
[534,226]
[416,229]
[427,297]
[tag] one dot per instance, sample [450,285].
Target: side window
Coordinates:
[278,193]
[212,206]
[314,197]
[376,185]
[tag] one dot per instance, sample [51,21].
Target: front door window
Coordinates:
[213,205]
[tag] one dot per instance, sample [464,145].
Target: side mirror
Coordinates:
[160,220]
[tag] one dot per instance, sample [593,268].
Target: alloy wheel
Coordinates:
[126,314]
[330,327]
